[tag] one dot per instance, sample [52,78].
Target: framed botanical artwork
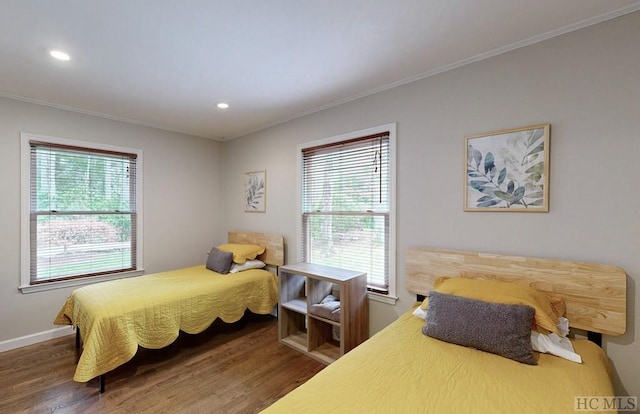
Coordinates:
[255,191]
[508,170]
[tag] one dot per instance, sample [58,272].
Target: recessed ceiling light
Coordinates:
[60,55]
[223,105]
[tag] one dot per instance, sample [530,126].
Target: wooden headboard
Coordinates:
[595,294]
[274,245]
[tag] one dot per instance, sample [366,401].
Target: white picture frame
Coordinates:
[255,191]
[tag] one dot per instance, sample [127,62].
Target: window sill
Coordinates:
[77,282]
[377,297]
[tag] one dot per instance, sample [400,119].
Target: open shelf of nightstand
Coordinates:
[305,284]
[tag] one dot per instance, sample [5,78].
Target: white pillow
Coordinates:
[563,326]
[554,344]
[420,313]
[249,264]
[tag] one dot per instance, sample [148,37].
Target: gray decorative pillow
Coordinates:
[501,329]
[219,261]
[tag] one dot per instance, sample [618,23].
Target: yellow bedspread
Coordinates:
[118,316]
[399,370]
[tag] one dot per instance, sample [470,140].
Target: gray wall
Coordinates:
[584,83]
[182,208]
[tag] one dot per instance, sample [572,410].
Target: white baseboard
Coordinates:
[15,343]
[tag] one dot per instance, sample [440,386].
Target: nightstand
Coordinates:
[305,284]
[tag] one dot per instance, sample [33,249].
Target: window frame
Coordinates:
[390,128]
[26,285]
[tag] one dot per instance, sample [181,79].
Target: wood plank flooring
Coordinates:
[237,368]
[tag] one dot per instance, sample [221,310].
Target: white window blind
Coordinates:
[346,205]
[82,214]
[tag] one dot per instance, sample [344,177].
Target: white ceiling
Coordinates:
[166,63]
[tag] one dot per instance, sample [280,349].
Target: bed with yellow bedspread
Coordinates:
[400,370]
[116,317]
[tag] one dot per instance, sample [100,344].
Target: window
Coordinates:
[80,213]
[347,204]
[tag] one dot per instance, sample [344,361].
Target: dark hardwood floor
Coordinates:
[237,368]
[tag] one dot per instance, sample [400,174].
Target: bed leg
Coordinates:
[77,337]
[101,383]
[595,337]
